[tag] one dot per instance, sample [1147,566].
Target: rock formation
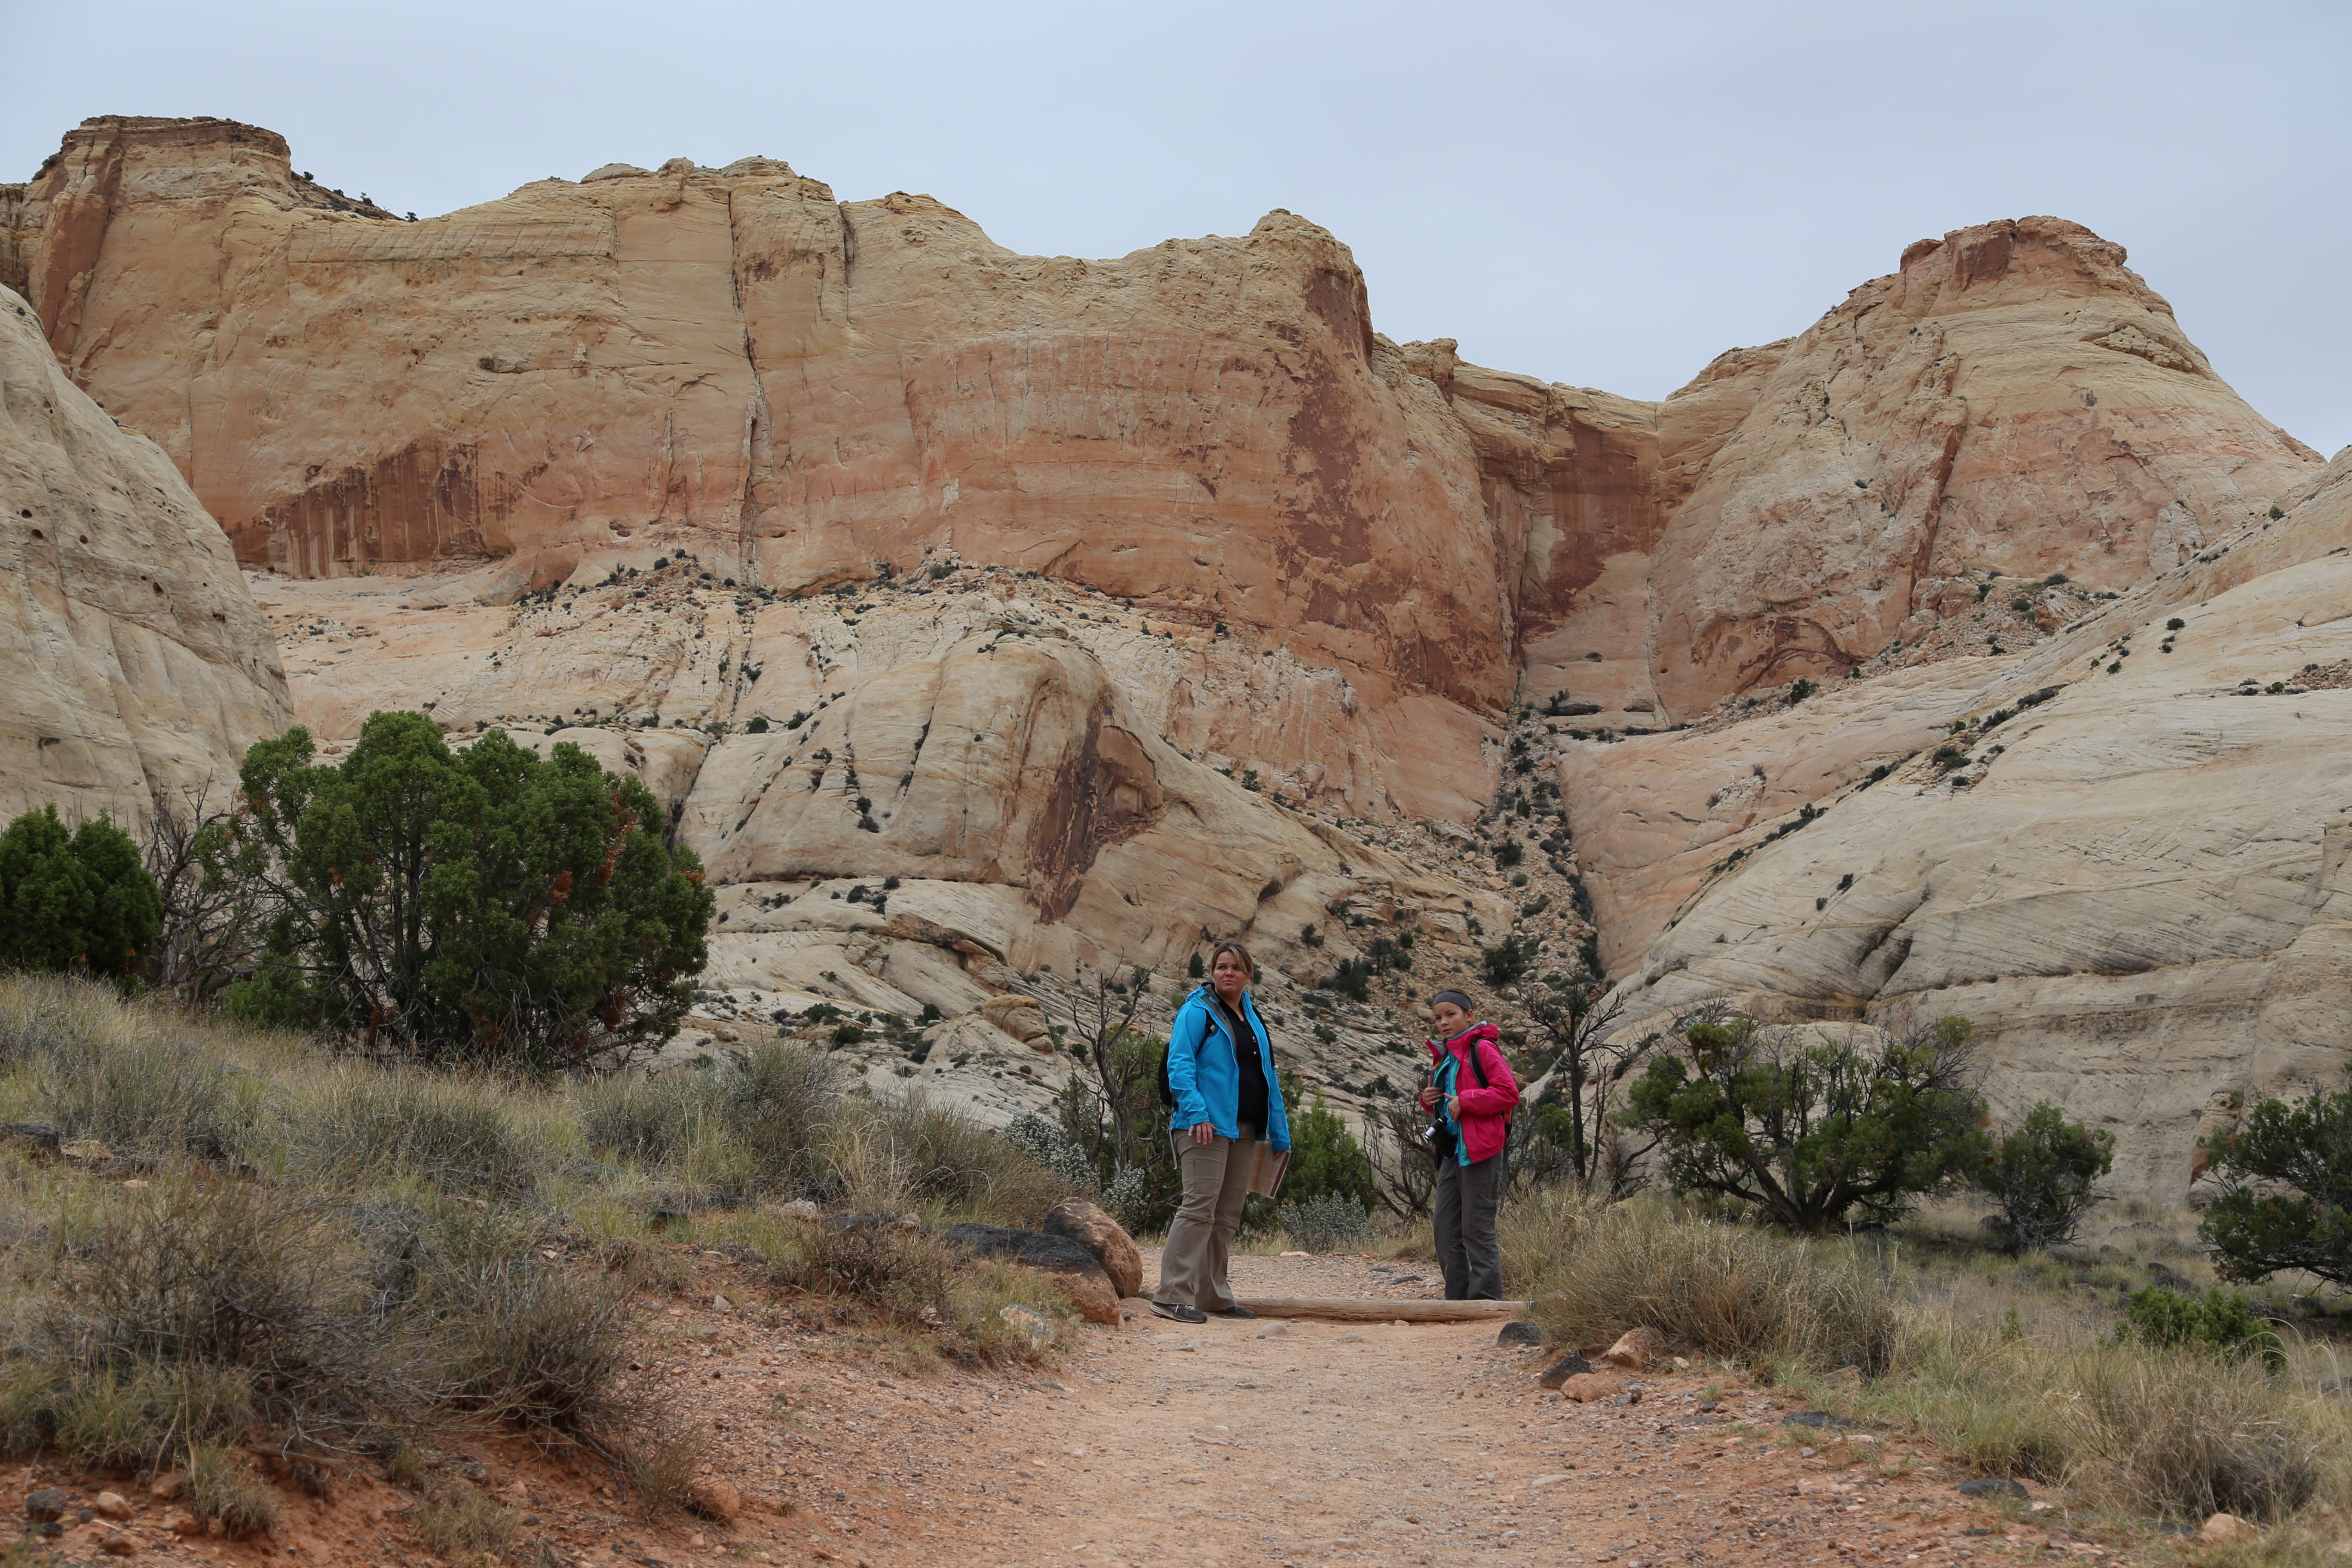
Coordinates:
[983,618]
[2120,853]
[133,659]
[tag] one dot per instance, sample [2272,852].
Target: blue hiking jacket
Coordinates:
[1205,1077]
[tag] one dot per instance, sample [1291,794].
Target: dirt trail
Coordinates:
[1299,1443]
[1273,1442]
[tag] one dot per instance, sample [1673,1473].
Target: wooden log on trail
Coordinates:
[1363,1310]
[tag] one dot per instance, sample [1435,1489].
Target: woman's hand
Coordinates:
[1204,1132]
[1429,1098]
[1453,1108]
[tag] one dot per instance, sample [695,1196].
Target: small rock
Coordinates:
[1091,1228]
[1298,1255]
[184,1524]
[1844,1374]
[1635,1350]
[115,1544]
[1586,1387]
[1631,1396]
[41,1137]
[45,1506]
[800,1208]
[86,1149]
[1030,1323]
[1821,1419]
[714,1498]
[1993,1486]
[1568,1366]
[168,1486]
[2226,1527]
[111,1505]
[1520,1334]
[1275,1331]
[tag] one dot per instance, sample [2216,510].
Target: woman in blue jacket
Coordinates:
[1228,1096]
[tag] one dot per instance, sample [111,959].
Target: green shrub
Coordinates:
[1326,1161]
[758,726]
[2286,1199]
[2220,1325]
[1811,1133]
[488,906]
[1329,1223]
[1508,853]
[80,902]
[2043,1173]
[1352,979]
[1509,962]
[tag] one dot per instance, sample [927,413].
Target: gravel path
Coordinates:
[1284,1444]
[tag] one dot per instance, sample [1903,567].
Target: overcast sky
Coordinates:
[1606,196]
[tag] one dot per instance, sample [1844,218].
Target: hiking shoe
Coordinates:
[1237,1311]
[1179,1314]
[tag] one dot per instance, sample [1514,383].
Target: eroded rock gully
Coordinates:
[1109,606]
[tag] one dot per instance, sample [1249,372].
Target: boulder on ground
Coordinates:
[1073,1268]
[714,1498]
[1100,1235]
[1520,1334]
[2226,1527]
[1635,1350]
[1090,1297]
[1560,1370]
[1591,1387]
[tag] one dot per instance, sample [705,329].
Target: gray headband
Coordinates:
[1455,997]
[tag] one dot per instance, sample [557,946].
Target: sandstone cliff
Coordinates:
[2126,865]
[132,657]
[1107,605]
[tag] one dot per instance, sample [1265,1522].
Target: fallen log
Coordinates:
[1361,1310]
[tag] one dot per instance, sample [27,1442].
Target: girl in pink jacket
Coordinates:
[1470,1094]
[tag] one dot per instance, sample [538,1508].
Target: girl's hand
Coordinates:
[1204,1132]
[1453,1108]
[1429,1098]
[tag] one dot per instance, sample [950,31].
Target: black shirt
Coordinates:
[1245,1058]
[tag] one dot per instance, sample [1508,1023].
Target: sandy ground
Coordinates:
[1290,1443]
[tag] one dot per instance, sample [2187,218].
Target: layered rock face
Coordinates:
[2120,854]
[132,657]
[2013,402]
[1104,606]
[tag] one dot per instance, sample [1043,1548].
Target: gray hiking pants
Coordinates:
[1468,1254]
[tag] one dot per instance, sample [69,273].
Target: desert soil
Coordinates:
[1273,1442]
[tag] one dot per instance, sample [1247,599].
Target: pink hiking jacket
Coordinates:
[1485,1112]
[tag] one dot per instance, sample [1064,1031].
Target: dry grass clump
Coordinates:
[222,1486]
[355,1125]
[198,1283]
[331,1257]
[2016,1381]
[1724,1289]
[528,1345]
[462,1525]
[92,1066]
[906,1152]
[929,1300]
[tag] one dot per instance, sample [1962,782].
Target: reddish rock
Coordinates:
[1099,1234]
